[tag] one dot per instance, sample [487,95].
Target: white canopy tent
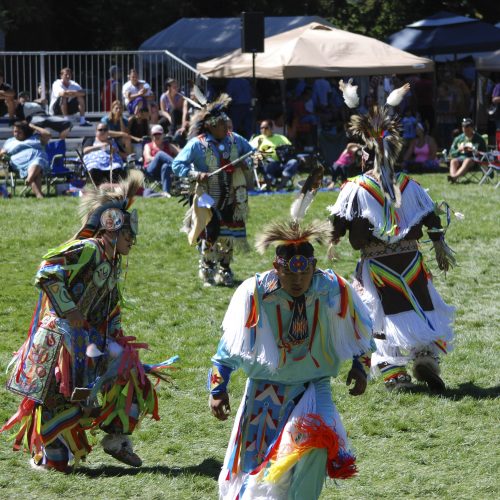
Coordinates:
[316,50]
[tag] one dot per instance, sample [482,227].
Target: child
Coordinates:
[343,162]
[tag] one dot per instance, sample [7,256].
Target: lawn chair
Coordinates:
[476,173]
[8,186]
[62,169]
[492,167]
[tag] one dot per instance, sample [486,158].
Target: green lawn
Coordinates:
[408,445]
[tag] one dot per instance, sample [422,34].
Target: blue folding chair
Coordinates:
[61,169]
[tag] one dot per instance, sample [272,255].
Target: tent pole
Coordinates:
[254,95]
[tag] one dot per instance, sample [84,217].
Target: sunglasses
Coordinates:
[264,128]
[102,129]
[158,133]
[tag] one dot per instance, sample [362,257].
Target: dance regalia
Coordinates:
[408,314]
[225,225]
[287,434]
[57,358]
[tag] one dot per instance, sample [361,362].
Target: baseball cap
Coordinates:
[467,122]
[156,129]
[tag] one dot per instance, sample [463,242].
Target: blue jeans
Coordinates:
[160,169]
[274,169]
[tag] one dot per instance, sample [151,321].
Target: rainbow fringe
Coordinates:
[385,276]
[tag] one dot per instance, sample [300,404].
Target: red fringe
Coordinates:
[317,434]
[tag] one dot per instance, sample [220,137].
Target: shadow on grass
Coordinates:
[210,467]
[467,389]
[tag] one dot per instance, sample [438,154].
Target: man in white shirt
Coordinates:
[137,94]
[68,98]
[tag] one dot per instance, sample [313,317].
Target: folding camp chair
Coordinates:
[62,169]
[492,167]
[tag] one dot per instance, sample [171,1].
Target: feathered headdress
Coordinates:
[292,233]
[380,132]
[114,199]
[209,112]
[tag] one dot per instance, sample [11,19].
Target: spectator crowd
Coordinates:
[151,128]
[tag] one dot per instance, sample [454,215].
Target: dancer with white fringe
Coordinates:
[77,370]
[384,213]
[214,160]
[289,329]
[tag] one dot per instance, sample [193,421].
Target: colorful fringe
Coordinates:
[390,372]
[312,433]
[390,225]
[362,325]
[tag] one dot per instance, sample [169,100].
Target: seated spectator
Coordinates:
[138,126]
[26,154]
[137,94]
[102,157]
[421,153]
[68,98]
[109,93]
[118,127]
[340,167]
[36,113]
[158,156]
[267,143]
[7,98]
[462,150]
[172,108]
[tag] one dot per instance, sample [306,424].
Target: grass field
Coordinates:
[408,445]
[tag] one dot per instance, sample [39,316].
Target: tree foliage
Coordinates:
[125,24]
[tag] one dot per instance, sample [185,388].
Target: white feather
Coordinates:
[199,95]
[301,204]
[350,93]
[190,101]
[396,96]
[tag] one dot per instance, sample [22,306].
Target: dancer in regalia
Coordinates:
[216,219]
[77,371]
[289,329]
[384,213]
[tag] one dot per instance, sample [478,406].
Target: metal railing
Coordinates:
[25,71]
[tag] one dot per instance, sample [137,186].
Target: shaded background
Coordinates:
[53,25]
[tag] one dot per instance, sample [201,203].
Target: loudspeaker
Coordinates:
[252,32]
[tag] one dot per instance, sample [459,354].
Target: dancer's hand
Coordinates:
[219,405]
[202,177]
[360,382]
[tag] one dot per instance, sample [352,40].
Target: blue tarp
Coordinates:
[446,33]
[199,39]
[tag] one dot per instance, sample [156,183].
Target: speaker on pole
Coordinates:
[252,32]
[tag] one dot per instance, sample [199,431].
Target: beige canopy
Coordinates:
[316,50]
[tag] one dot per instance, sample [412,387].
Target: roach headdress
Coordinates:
[209,113]
[380,133]
[106,206]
